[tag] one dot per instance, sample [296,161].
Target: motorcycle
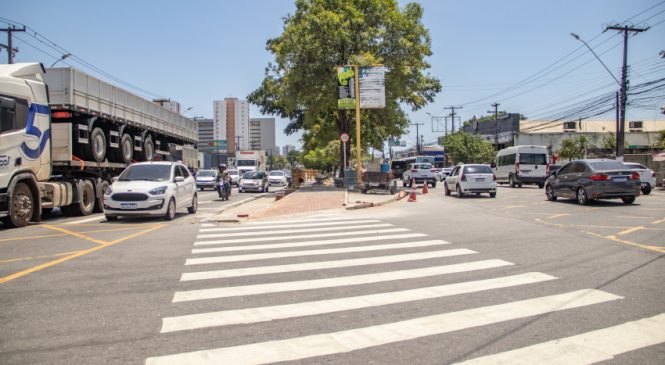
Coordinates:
[223,189]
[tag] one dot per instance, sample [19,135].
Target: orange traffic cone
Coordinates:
[412,196]
[425,191]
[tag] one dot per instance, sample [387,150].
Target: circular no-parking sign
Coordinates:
[344,137]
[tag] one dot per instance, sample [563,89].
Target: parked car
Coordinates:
[523,164]
[469,179]
[647,176]
[206,179]
[234,176]
[151,189]
[421,172]
[587,180]
[277,178]
[253,181]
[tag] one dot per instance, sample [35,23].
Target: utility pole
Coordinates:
[452,114]
[624,85]
[417,136]
[10,48]
[496,124]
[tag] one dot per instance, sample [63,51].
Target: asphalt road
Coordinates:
[438,281]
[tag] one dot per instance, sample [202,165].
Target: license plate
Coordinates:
[480,179]
[128,205]
[525,170]
[620,179]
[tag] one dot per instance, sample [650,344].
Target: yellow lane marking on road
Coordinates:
[75,255]
[557,215]
[37,257]
[630,230]
[65,234]
[658,221]
[75,234]
[514,206]
[640,245]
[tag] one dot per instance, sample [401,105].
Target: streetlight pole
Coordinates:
[66,55]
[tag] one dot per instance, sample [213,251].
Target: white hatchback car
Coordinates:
[421,173]
[471,178]
[151,189]
[647,176]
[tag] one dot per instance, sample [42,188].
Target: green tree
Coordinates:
[468,148]
[574,148]
[660,139]
[301,84]
[279,162]
[292,157]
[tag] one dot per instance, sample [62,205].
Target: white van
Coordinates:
[519,165]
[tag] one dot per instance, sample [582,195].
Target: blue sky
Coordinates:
[199,51]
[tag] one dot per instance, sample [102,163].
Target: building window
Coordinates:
[569,126]
[635,126]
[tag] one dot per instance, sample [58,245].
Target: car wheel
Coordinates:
[493,195]
[445,189]
[541,185]
[404,184]
[511,181]
[628,199]
[111,218]
[195,205]
[460,194]
[646,190]
[582,198]
[433,184]
[267,188]
[170,210]
[549,192]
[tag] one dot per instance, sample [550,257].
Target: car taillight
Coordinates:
[653,174]
[517,167]
[599,177]
[463,178]
[434,170]
[547,169]
[635,176]
[414,170]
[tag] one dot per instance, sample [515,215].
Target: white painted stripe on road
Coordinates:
[264,314]
[320,265]
[302,225]
[329,251]
[207,225]
[290,231]
[289,221]
[586,348]
[91,218]
[317,235]
[303,244]
[237,291]
[361,338]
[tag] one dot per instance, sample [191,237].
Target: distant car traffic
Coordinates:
[151,189]
[234,176]
[443,173]
[277,178]
[471,179]
[647,176]
[587,180]
[206,179]
[253,181]
[421,173]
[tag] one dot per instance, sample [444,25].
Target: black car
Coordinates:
[587,180]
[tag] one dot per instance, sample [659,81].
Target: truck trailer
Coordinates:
[254,160]
[65,134]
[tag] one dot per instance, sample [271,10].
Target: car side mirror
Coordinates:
[179,179]
[554,173]
[493,164]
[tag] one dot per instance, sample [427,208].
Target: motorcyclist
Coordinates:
[223,175]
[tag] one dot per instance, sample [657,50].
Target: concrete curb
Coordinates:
[371,204]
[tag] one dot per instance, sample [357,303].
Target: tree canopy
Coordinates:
[468,148]
[574,148]
[301,84]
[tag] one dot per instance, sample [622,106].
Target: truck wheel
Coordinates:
[125,152]
[97,145]
[99,198]
[148,149]
[21,207]
[86,203]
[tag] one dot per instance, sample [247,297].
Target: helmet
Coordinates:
[222,166]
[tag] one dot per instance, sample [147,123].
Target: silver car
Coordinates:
[206,179]
[254,181]
[587,180]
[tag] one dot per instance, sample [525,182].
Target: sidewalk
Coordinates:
[304,201]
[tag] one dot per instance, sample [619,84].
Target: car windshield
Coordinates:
[206,173]
[478,169]
[636,166]
[422,166]
[252,175]
[607,165]
[533,159]
[276,173]
[146,172]
[246,162]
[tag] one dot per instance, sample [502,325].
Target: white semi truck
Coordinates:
[254,160]
[65,134]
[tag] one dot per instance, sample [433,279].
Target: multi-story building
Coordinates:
[287,148]
[231,123]
[206,133]
[262,135]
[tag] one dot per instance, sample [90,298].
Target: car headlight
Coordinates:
[158,191]
[108,191]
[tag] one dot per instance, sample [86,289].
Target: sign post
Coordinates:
[344,137]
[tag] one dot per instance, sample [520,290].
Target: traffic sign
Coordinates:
[344,137]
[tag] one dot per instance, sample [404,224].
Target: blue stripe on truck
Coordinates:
[33,131]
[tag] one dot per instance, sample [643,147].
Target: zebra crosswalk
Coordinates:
[260,256]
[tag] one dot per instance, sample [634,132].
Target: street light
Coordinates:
[66,55]
[598,58]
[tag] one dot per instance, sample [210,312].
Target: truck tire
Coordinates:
[148,149]
[21,207]
[86,203]
[99,195]
[125,151]
[96,149]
